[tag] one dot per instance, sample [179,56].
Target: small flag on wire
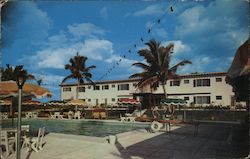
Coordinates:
[135,45]
[141,39]
[129,51]
[159,20]
[171,8]
[124,56]
[149,30]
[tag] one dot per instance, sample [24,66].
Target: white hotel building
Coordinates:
[205,88]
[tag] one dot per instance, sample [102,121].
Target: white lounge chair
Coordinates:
[77,115]
[70,115]
[131,117]
[7,142]
[25,135]
[4,115]
[36,143]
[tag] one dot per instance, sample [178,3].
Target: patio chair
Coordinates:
[36,143]
[4,115]
[131,117]
[96,115]
[7,142]
[35,114]
[25,135]
[28,115]
[70,115]
[103,115]
[77,115]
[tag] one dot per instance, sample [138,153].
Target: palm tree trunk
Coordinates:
[164,90]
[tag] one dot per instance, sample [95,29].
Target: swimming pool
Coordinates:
[79,127]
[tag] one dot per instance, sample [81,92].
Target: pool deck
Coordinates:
[212,141]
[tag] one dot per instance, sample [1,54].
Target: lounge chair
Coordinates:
[70,115]
[96,115]
[25,135]
[77,115]
[103,115]
[131,117]
[4,115]
[7,142]
[36,143]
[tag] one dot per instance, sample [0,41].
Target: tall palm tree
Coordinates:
[156,69]
[79,71]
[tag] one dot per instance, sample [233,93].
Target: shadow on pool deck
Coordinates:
[212,141]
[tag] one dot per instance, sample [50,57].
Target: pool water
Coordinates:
[78,127]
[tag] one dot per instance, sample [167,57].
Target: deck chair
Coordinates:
[37,142]
[131,117]
[103,115]
[25,135]
[77,115]
[7,142]
[70,115]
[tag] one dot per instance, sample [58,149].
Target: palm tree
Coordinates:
[79,71]
[156,70]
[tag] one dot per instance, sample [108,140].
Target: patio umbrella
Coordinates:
[76,103]
[238,73]
[9,89]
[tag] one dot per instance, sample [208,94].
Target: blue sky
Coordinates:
[43,35]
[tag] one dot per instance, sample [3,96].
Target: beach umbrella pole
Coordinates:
[18,152]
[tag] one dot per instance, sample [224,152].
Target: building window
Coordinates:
[81,89]
[218,79]
[67,89]
[89,100]
[202,100]
[175,83]
[113,86]
[218,97]
[89,87]
[84,100]
[134,84]
[97,88]
[186,81]
[186,98]
[105,87]
[123,87]
[201,82]
[113,99]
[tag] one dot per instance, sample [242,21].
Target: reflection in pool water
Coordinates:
[78,127]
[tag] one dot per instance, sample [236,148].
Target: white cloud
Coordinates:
[150,10]
[85,30]
[104,12]
[52,57]
[179,46]
[225,21]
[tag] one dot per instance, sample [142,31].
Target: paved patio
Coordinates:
[211,142]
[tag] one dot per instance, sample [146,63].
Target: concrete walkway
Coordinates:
[180,143]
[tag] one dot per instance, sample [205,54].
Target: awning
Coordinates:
[128,101]
[173,101]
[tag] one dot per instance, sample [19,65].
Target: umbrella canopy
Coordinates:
[241,63]
[238,73]
[10,89]
[55,103]
[173,101]
[76,102]
[32,103]
[128,101]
